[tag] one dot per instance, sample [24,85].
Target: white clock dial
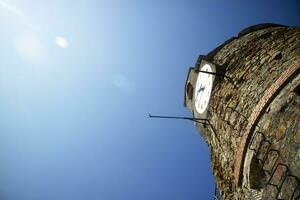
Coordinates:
[203,88]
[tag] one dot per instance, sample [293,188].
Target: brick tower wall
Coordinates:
[254,136]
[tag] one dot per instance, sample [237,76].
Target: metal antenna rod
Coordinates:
[214,73]
[172,117]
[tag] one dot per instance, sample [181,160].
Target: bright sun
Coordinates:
[61,42]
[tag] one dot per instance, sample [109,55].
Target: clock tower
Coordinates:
[248,92]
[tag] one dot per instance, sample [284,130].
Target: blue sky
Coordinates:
[78,79]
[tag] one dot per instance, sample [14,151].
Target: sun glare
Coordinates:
[61,42]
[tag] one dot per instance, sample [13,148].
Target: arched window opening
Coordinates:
[190,91]
[257,175]
[297,90]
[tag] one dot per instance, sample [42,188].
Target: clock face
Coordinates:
[203,88]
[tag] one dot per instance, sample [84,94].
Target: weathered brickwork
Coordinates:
[257,111]
[254,131]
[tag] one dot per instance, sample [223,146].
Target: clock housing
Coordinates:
[203,87]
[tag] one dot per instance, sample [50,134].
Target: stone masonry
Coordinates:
[254,115]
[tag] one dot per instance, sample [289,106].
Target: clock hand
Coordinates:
[203,88]
[200,89]
[201,95]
